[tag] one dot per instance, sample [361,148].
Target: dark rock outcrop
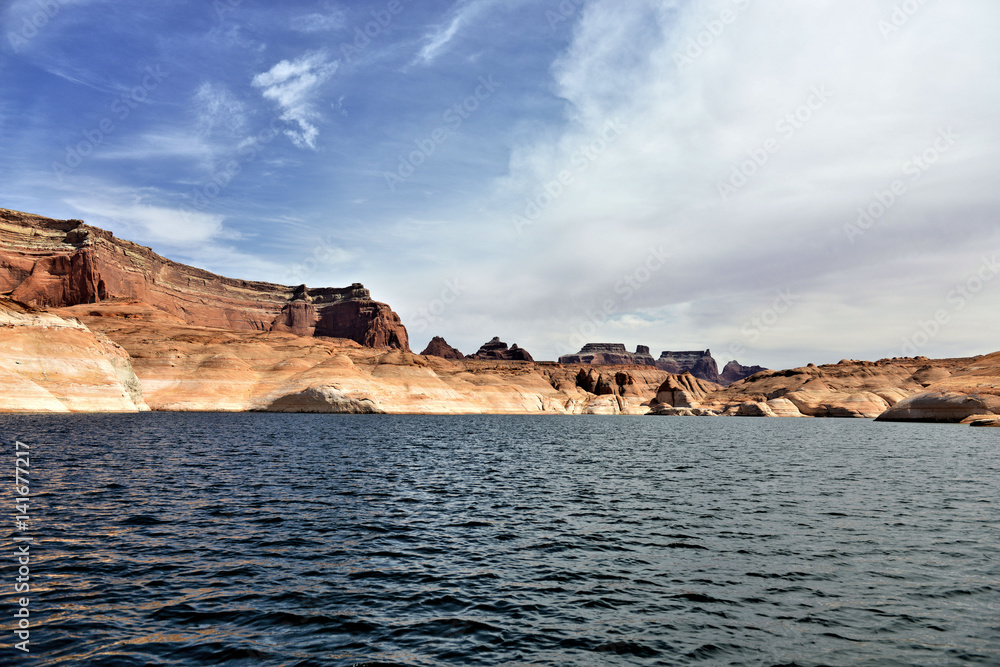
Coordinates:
[496,350]
[734,372]
[609,354]
[438,347]
[49,263]
[699,364]
[619,383]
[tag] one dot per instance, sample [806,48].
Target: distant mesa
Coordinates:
[496,350]
[438,347]
[698,363]
[734,372]
[610,354]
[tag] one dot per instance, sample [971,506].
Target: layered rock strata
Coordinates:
[680,395]
[610,354]
[183,367]
[900,389]
[699,364]
[49,263]
[53,364]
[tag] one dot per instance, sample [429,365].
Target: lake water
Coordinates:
[217,539]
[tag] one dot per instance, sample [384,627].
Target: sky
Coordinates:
[783,182]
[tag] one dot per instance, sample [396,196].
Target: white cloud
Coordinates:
[692,119]
[143,222]
[218,110]
[334,20]
[156,145]
[292,85]
[437,40]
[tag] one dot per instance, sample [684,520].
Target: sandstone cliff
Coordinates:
[52,364]
[963,394]
[897,389]
[609,354]
[49,263]
[185,367]
[699,364]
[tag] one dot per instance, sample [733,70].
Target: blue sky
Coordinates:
[783,182]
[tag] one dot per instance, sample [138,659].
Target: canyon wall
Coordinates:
[47,263]
[186,367]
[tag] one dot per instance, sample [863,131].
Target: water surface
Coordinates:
[195,539]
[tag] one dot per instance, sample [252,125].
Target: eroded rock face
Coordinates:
[49,263]
[944,406]
[734,371]
[438,347]
[609,354]
[682,391]
[496,350]
[183,367]
[699,364]
[901,389]
[53,364]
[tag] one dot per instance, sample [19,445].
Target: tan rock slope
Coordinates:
[902,389]
[185,367]
[52,364]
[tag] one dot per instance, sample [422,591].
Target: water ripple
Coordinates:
[183,539]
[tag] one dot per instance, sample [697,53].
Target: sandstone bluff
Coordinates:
[89,322]
[48,263]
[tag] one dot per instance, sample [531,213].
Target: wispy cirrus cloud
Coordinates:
[218,110]
[292,85]
[436,41]
[334,19]
[147,222]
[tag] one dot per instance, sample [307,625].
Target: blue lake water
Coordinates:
[217,539]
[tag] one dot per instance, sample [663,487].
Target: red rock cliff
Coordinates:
[56,263]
